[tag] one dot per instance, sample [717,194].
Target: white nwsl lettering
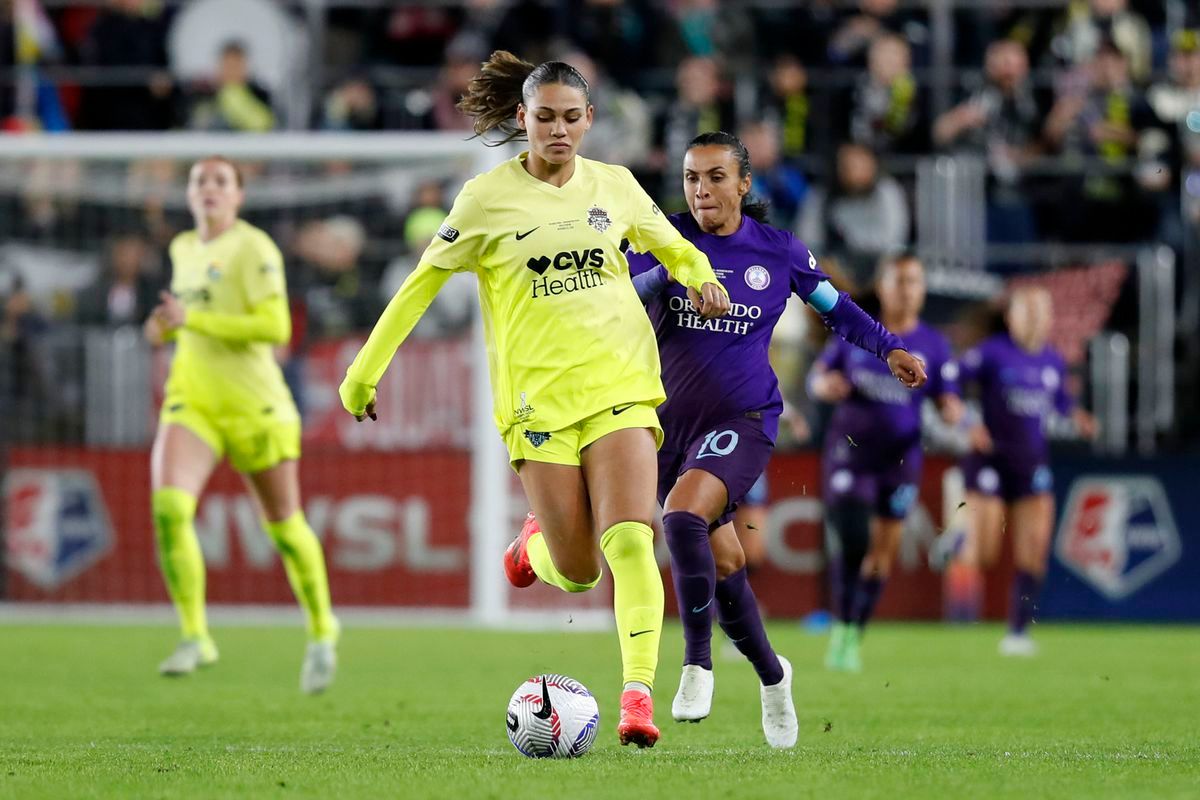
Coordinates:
[1027,402]
[881,388]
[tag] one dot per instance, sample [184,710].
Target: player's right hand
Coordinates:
[981,440]
[358,399]
[831,386]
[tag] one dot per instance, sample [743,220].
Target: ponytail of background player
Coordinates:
[227,310]
[574,367]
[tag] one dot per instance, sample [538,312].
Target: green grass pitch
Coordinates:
[1103,712]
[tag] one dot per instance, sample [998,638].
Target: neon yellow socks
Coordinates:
[305,565]
[637,597]
[543,567]
[174,512]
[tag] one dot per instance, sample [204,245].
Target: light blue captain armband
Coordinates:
[823,298]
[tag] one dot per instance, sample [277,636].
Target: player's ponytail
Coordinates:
[503,83]
[752,207]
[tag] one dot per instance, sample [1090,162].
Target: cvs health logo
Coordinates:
[1117,533]
[58,525]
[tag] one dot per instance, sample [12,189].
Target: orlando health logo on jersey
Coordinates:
[1117,533]
[58,525]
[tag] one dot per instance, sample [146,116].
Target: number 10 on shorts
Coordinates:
[718,443]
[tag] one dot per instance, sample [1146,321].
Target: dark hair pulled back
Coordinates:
[752,207]
[503,83]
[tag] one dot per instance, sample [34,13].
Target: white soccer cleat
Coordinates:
[778,712]
[693,701]
[187,656]
[1018,645]
[320,665]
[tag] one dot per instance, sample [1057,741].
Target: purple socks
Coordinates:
[866,598]
[695,575]
[1025,589]
[737,611]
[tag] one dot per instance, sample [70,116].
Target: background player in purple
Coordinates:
[1020,381]
[871,466]
[722,410]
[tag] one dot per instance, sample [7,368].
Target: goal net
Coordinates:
[414,510]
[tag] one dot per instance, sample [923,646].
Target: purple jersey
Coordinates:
[717,370]
[880,410]
[1017,390]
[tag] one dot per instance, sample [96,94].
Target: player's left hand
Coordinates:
[907,368]
[952,409]
[1085,423]
[710,302]
[358,399]
[170,312]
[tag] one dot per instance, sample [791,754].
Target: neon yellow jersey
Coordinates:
[231,274]
[566,334]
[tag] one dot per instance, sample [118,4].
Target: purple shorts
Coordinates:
[1005,477]
[887,479]
[736,451]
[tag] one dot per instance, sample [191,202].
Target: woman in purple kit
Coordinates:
[1020,381]
[722,410]
[871,466]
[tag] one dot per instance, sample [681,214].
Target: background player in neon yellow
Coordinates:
[226,396]
[574,363]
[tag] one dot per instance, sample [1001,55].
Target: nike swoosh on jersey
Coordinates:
[623,409]
[639,633]
[521,236]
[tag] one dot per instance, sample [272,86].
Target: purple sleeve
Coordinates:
[859,328]
[970,367]
[804,274]
[1064,403]
[833,357]
[650,285]
[640,262]
[943,377]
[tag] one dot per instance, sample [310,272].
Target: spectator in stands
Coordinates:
[463,57]
[1176,102]
[29,396]
[1111,122]
[1001,122]
[351,106]
[886,113]
[1084,27]
[622,128]
[125,293]
[336,296]
[620,35]
[862,216]
[782,185]
[128,33]
[859,28]
[236,103]
[786,105]
[700,105]
[716,29]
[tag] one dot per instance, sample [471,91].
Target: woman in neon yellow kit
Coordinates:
[226,310]
[574,364]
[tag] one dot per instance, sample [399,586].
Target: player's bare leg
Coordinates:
[276,492]
[1031,519]
[621,469]
[180,465]
[979,552]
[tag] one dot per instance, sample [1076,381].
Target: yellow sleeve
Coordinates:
[462,239]
[394,325]
[262,272]
[269,321]
[652,232]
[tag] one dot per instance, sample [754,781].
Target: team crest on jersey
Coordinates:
[58,525]
[214,272]
[1117,533]
[598,218]
[537,438]
[448,233]
[758,278]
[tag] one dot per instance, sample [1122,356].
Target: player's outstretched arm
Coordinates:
[269,321]
[397,321]
[692,268]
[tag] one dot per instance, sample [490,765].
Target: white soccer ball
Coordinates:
[552,716]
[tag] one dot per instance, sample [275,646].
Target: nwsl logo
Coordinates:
[57,524]
[1117,533]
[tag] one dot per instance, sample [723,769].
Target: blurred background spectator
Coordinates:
[125,293]
[234,102]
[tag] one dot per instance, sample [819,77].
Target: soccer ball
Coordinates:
[552,716]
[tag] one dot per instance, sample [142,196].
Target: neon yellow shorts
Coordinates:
[253,443]
[565,446]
